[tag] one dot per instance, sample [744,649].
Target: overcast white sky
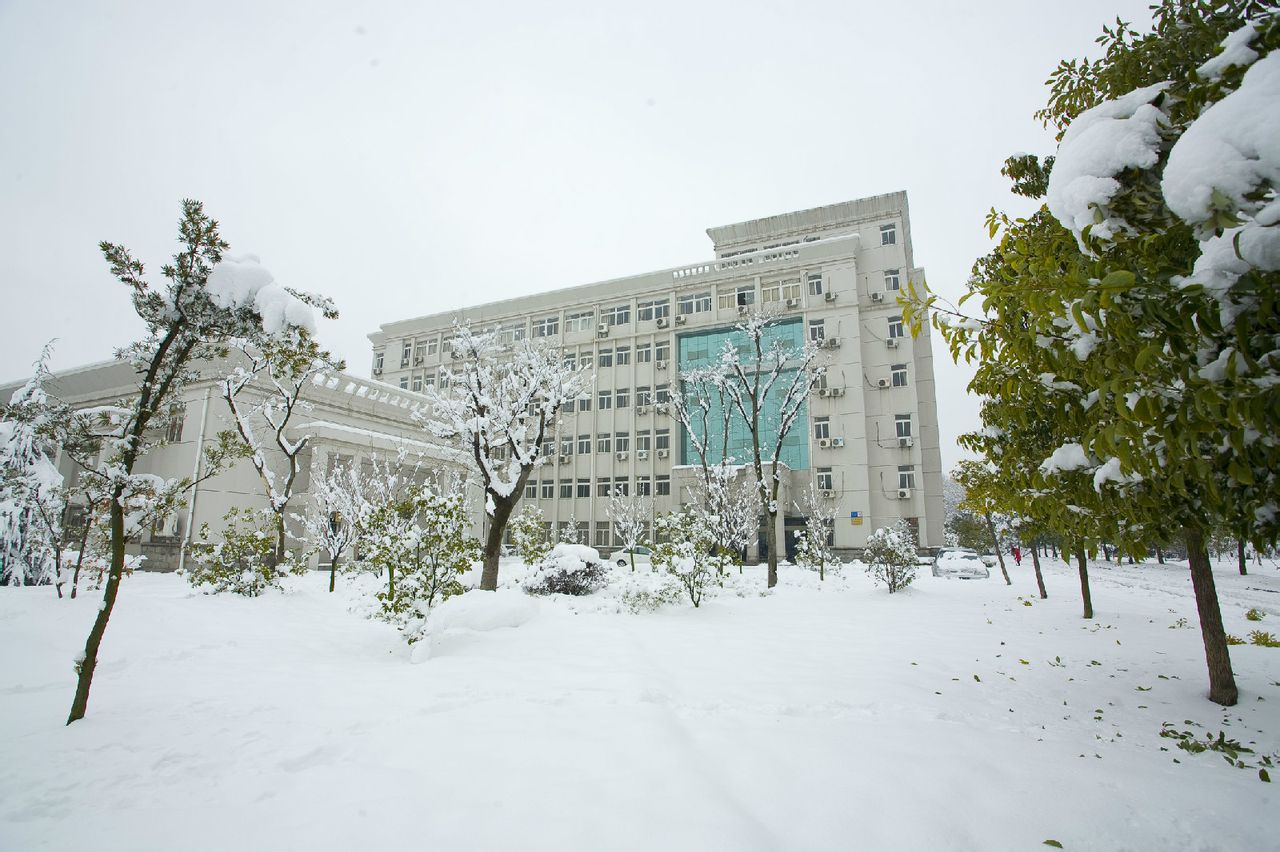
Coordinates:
[409,158]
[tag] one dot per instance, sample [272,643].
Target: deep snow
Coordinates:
[820,716]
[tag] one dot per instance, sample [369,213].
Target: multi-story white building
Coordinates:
[869,435]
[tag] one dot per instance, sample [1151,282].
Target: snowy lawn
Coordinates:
[951,716]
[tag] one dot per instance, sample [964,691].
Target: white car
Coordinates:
[623,557]
[960,562]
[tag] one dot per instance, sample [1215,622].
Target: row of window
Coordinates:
[609,442]
[825,479]
[822,426]
[569,489]
[620,356]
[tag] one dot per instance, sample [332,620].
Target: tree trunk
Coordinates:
[493,543]
[995,540]
[1083,563]
[333,571]
[1035,560]
[1240,557]
[771,542]
[1222,683]
[84,672]
[1159,554]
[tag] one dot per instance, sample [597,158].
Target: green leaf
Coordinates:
[1263,775]
[1055,844]
[1121,279]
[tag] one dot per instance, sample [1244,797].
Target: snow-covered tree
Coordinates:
[568,533]
[499,405]
[337,502]
[767,382]
[238,558]
[630,517]
[32,493]
[265,388]
[529,535]
[683,550]
[813,548]
[890,555]
[205,302]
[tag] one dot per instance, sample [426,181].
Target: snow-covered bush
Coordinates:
[813,550]
[529,535]
[638,598]
[684,551]
[420,541]
[569,569]
[891,556]
[241,562]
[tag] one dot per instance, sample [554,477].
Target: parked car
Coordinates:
[960,562]
[623,557]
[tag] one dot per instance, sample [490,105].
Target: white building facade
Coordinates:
[869,436]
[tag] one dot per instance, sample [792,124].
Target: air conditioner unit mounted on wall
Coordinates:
[829,296]
[602,330]
[662,408]
[642,455]
[621,456]
[877,296]
[661,322]
[837,442]
[742,310]
[663,453]
[836,392]
[904,493]
[882,383]
[566,459]
[824,442]
[827,493]
[906,441]
[891,342]
[660,365]
[680,320]
[642,409]
[824,392]
[377,371]
[793,303]
[830,343]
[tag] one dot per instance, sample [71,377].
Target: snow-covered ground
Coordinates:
[832,716]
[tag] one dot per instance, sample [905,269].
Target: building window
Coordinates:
[620,315]
[622,356]
[586,359]
[694,303]
[584,487]
[531,490]
[606,358]
[419,353]
[903,424]
[584,444]
[173,433]
[580,321]
[404,383]
[377,361]
[622,442]
[623,398]
[821,427]
[644,487]
[584,404]
[770,293]
[891,280]
[653,310]
[662,394]
[741,297]
[825,481]
[604,442]
[817,330]
[566,489]
[548,489]
[644,441]
[895,326]
[662,350]
[566,446]
[602,534]
[815,283]
[888,234]
[621,486]
[662,485]
[569,406]
[547,327]
[603,486]
[511,332]
[549,448]
[406,351]
[446,345]
[604,400]
[906,476]
[417,383]
[662,439]
[820,381]
[644,353]
[899,373]
[644,395]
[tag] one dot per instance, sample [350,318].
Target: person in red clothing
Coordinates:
[1017,555]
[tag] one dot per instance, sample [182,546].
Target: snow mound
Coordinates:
[1067,457]
[474,612]
[570,556]
[244,282]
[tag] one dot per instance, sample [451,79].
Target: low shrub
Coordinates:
[569,569]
